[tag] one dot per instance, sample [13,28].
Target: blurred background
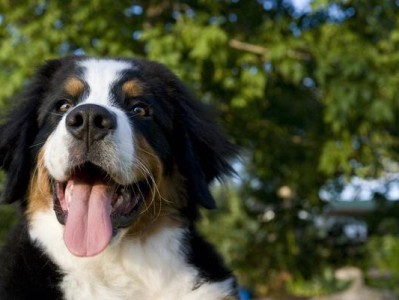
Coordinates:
[308,89]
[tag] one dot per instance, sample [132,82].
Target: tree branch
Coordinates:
[263,52]
[255,49]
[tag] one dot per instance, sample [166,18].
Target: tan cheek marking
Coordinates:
[162,205]
[39,198]
[74,87]
[133,88]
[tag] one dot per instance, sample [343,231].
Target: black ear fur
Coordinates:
[189,165]
[206,150]
[17,133]
[15,137]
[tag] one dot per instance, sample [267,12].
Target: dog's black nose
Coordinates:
[90,122]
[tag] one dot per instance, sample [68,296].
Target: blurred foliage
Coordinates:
[321,285]
[7,219]
[309,95]
[382,253]
[7,215]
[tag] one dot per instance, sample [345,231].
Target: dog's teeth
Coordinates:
[119,202]
[68,195]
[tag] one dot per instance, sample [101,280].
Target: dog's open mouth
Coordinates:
[93,207]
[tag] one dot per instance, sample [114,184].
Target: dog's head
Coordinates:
[109,145]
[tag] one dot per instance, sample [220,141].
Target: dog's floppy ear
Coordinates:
[15,137]
[206,151]
[17,133]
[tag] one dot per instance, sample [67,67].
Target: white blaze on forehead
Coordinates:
[100,74]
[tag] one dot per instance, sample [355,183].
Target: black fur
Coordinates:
[26,273]
[181,133]
[20,130]
[204,256]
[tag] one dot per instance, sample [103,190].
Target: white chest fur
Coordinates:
[135,269]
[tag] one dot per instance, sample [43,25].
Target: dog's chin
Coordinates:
[93,207]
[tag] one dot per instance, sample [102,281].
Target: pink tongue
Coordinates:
[88,229]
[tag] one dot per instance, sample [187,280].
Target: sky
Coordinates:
[301,5]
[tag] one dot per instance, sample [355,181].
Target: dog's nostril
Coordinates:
[75,120]
[104,122]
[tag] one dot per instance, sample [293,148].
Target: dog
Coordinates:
[109,160]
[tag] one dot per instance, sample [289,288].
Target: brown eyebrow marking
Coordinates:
[74,86]
[133,88]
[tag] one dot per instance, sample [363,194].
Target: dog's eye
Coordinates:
[141,110]
[63,106]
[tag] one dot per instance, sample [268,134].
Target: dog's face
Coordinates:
[110,146]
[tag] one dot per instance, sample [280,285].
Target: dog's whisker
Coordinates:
[36,145]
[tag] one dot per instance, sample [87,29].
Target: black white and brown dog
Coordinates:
[110,160]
